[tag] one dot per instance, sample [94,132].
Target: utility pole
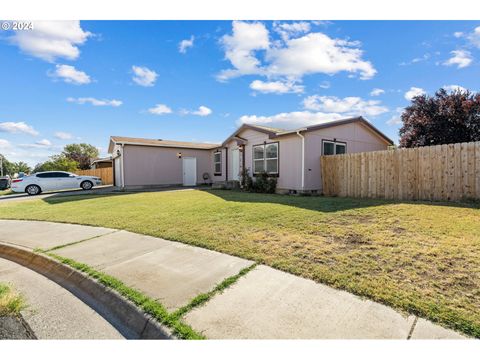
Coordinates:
[1,165]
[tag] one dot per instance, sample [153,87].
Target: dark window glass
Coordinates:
[271,151]
[328,148]
[258,152]
[46,175]
[340,149]
[217,162]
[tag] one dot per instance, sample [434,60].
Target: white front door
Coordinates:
[189,171]
[235,164]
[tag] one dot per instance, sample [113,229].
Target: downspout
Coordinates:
[226,164]
[303,158]
[123,169]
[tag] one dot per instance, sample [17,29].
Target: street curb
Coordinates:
[123,314]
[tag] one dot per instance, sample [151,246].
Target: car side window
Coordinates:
[62,174]
[43,175]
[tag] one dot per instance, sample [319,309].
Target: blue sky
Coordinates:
[66,82]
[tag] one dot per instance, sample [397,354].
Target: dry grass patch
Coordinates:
[11,302]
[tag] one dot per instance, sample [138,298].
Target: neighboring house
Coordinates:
[291,156]
[102,163]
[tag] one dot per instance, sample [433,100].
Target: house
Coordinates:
[293,156]
[102,163]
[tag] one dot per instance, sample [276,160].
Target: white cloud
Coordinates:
[185,44]
[160,109]
[291,120]
[425,57]
[202,111]
[414,91]
[44,142]
[17,127]
[252,51]
[47,145]
[287,30]
[5,144]
[52,39]
[318,53]
[63,135]
[95,102]
[240,48]
[396,117]
[461,58]
[70,75]
[458,34]
[453,88]
[144,76]
[377,92]
[474,37]
[325,85]
[349,105]
[276,87]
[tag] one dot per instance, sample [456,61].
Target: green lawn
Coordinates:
[420,257]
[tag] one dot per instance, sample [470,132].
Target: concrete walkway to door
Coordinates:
[264,304]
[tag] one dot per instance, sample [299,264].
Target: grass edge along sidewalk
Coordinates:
[147,304]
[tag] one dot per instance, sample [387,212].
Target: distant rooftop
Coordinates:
[162,143]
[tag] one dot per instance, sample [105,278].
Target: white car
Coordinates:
[53,180]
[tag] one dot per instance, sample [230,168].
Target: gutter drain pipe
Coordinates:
[303,158]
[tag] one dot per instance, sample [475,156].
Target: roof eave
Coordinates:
[213,146]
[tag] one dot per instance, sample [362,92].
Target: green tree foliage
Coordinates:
[57,163]
[82,153]
[11,168]
[444,118]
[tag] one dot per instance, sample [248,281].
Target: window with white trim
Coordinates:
[217,163]
[334,148]
[265,158]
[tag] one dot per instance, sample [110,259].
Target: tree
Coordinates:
[83,154]
[444,118]
[57,163]
[22,167]
[6,166]
[11,168]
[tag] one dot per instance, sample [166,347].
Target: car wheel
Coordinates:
[33,190]
[86,185]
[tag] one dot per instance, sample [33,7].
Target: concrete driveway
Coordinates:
[265,303]
[23,196]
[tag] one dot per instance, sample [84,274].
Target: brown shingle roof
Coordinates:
[162,143]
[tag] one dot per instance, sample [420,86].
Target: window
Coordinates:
[334,148]
[340,148]
[217,163]
[265,158]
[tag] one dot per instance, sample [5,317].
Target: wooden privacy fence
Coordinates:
[106,174]
[440,172]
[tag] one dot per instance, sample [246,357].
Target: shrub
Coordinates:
[262,184]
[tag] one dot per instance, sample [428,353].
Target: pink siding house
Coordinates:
[293,156]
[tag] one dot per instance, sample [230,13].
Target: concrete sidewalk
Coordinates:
[265,303]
